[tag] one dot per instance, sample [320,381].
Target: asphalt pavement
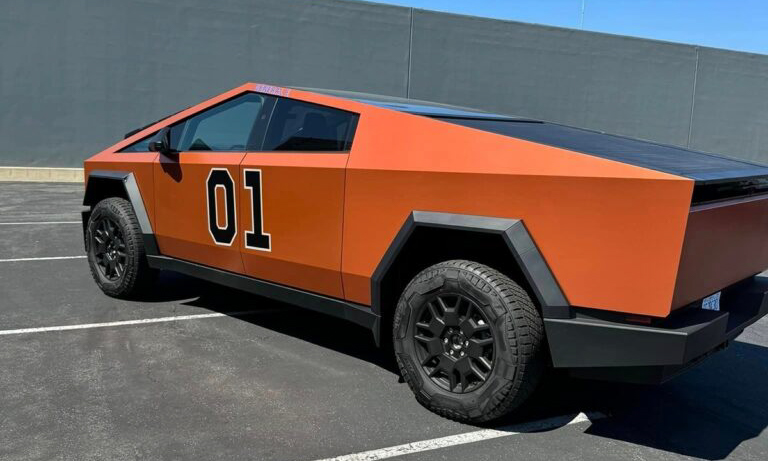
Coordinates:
[175,375]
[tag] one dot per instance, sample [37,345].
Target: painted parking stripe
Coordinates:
[49,258]
[468,437]
[176,318]
[33,223]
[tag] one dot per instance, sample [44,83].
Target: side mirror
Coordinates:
[162,143]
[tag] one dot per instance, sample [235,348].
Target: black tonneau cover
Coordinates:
[703,167]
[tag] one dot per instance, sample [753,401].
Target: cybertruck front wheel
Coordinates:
[468,341]
[115,249]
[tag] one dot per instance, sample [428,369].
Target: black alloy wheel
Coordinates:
[109,249]
[115,248]
[468,341]
[454,342]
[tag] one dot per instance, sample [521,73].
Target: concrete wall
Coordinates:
[76,75]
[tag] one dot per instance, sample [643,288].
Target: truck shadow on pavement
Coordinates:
[706,413]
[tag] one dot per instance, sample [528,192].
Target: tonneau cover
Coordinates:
[700,166]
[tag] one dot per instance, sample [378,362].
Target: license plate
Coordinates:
[711,303]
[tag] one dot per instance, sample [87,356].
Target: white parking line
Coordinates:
[32,223]
[49,258]
[85,326]
[468,437]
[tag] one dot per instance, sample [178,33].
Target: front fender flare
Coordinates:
[102,184]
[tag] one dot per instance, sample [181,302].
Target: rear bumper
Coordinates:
[599,349]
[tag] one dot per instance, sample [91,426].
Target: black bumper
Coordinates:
[600,349]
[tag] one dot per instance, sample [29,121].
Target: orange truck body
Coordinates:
[616,237]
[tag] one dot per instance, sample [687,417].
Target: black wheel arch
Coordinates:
[103,184]
[427,238]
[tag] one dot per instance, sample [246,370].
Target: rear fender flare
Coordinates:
[515,235]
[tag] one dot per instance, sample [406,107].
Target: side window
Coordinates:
[226,127]
[139,146]
[301,126]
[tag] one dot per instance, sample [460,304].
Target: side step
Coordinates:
[355,313]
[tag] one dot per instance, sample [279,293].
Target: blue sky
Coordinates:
[733,24]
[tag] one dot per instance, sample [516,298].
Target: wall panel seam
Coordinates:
[693,98]
[410,53]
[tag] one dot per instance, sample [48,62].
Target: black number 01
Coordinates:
[256,238]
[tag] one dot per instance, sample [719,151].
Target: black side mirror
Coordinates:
[162,143]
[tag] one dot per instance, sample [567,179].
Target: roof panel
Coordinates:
[415,106]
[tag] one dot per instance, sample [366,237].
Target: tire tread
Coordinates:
[138,276]
[524,332]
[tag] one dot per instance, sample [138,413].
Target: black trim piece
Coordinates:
[89,199]
[522,247]
[581,342]
[351,131]
[640,375]
[530,260]
[675,343]
[715,191]
[150,244]
[85,215]
[469,117]
[260,127]
[131,188]
[354,313]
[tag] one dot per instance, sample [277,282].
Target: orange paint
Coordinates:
[303,199]
[612,233]
[181,222]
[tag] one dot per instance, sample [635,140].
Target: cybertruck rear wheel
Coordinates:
[468,341]
[115,249]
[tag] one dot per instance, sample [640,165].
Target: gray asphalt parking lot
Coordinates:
[279,383]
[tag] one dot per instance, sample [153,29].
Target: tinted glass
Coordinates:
[301,126]
[226,127]
[139,146]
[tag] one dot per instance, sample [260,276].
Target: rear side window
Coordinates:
[305,127]
[226,127]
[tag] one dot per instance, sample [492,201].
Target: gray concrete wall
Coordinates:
[76,75]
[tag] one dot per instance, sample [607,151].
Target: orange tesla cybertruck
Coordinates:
[483,248]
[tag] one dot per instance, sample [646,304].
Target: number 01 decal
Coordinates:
[256,238]
[219,178]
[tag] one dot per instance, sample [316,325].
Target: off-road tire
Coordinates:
[136,276]
[518,341]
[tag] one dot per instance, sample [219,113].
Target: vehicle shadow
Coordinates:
[316,328]
[705,413]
